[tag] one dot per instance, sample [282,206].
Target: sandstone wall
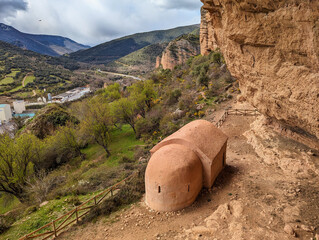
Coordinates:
[177,52]
[272,48]
[207,40]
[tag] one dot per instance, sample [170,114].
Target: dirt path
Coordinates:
[255,197]
[28,74]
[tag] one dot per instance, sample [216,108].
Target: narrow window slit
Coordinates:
[159,189]
[188,188]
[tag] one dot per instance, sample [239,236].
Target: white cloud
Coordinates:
[177,4]
[11,7]
[96,21]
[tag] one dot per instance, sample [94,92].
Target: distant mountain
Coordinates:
[115,49]
[44,44]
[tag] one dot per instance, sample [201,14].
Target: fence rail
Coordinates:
[52,229]
[239,112]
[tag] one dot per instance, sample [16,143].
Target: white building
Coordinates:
[72,95]
[19,106]
[5,113]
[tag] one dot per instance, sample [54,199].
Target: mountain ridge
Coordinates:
[44,44]
[117,48]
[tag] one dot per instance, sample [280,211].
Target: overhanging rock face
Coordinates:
[182,163]
[272,48]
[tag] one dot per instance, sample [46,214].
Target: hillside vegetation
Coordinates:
[23,71]
[138,62]
[67,153]
[115,49]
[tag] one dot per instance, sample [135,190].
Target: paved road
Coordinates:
[120,74]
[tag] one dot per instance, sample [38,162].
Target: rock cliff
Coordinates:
[179,50]
[272,48]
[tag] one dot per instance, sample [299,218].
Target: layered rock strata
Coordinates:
[272,48]
[178,51]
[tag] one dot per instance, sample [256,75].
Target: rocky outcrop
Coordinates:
[158,62]
[179,50]
[207,42]
[272,48]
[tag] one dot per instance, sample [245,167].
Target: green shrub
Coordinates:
[202,79]
[30,210]
[149,124]
[186,103]
[74,200]
[167,126]
[217,57]
[131,192]
[140,152]
[145,126]
[4,224]
[173,97]
[126,159]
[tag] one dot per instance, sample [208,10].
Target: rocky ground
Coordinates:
[269,190]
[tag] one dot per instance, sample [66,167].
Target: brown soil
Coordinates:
[253,198]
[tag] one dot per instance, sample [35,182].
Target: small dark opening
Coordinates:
[188,188]
[159,189]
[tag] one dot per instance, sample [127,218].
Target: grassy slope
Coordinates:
[6,206]
[123,144]
[29,79]
[121,47]
[9,78]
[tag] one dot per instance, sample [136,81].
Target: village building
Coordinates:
[19,106]
[5,113]
[182,164]
[72,95]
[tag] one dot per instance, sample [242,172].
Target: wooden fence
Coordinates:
[54,228]
[240,112]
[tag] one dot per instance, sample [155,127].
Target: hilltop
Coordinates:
[140,61]
[44,44]
[115,49]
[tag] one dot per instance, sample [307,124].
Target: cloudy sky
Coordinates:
[95,21]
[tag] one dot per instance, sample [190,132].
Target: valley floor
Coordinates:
[269,190]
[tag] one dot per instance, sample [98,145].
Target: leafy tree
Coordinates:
[143,93]
[125,110]
[79,109]
[17,159]
[49,119]
[67,142]
[98,122]
[112,92]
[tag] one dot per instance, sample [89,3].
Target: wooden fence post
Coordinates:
[54,229]
[95,200]
[77,215]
